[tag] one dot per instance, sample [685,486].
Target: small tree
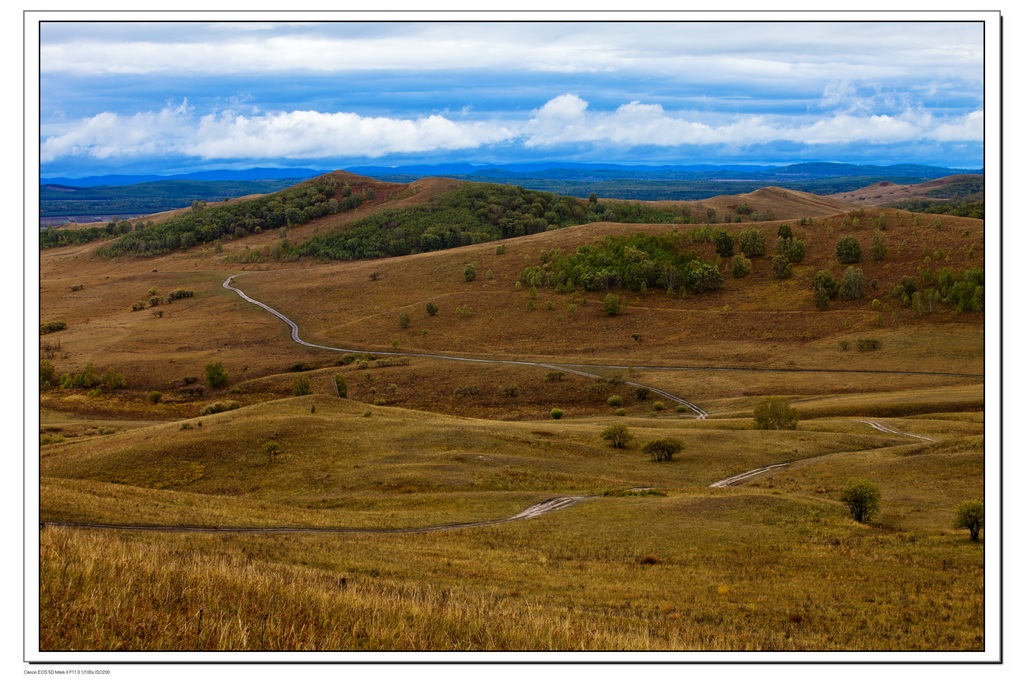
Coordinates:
[753,242]
[611,305]
[216,376]
[775,413]
[469,272]
[723,243]
[879,245]
[301,386]
[403,320]
[617,435]
[781,267]
[662,450]
[740,266]
[853,284]
[848,249]
[341,386]
[272,450]
[970,515]
[785,231]
[862,497]
[431,308]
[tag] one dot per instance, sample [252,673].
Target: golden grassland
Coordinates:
[652,559]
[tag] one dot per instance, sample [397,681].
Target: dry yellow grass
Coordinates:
[775,564]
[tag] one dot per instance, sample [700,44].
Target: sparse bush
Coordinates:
[970,515]
[52,326]
[499,250]
[868,344]
[620,412]
[47,374]
[154,397]
[431,308]
[848,249]
[662,450]
[112,379]
[469,272]
[862,497]
[741,266]
[181,294]
[658,405]
[617,435]
[341,386]
[220,407]
[300,387]
[753,242]
[723,243]
[555,376]
[781,267]
[403,320]
[611,304]
[557,413]
[852,286]
[615,401]
[216,376]
[272,450]
[510,391]
[642,393]
[879,246]
[775,413]
[464,392]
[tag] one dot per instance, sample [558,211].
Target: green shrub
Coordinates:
[300,387]
[469,272]
[753,242]
[220,407]
[741,266]
[154,397]
[341,386]
[662,450]
[848,249]
[775,413]
[611,304]
[862,497]
[431,308]
[615,401]
[47,374]
[617,435]
[970,515]
[723,243]
[852,286]
[52,326]
[781,267]
[557,413]
[403,320]
[868,344]
[555,376]
[658,405]
[216,376]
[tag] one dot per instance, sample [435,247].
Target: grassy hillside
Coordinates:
[652,557]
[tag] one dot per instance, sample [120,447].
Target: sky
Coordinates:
[167,98]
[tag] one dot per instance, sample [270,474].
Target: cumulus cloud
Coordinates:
[293,135]
[567,119]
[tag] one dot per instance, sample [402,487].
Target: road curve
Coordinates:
[542,508]
[229,284]
[889,430]
[741,478]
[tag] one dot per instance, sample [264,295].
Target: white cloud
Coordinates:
[297,135]
[567,119]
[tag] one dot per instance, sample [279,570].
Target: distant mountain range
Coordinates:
[563,171]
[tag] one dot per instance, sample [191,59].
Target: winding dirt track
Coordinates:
[742,478]
[542,508]
[228,284]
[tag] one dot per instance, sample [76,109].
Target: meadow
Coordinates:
[651,558]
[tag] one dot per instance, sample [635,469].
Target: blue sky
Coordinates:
[176,97]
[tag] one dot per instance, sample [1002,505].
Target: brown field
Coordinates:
[653,559]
